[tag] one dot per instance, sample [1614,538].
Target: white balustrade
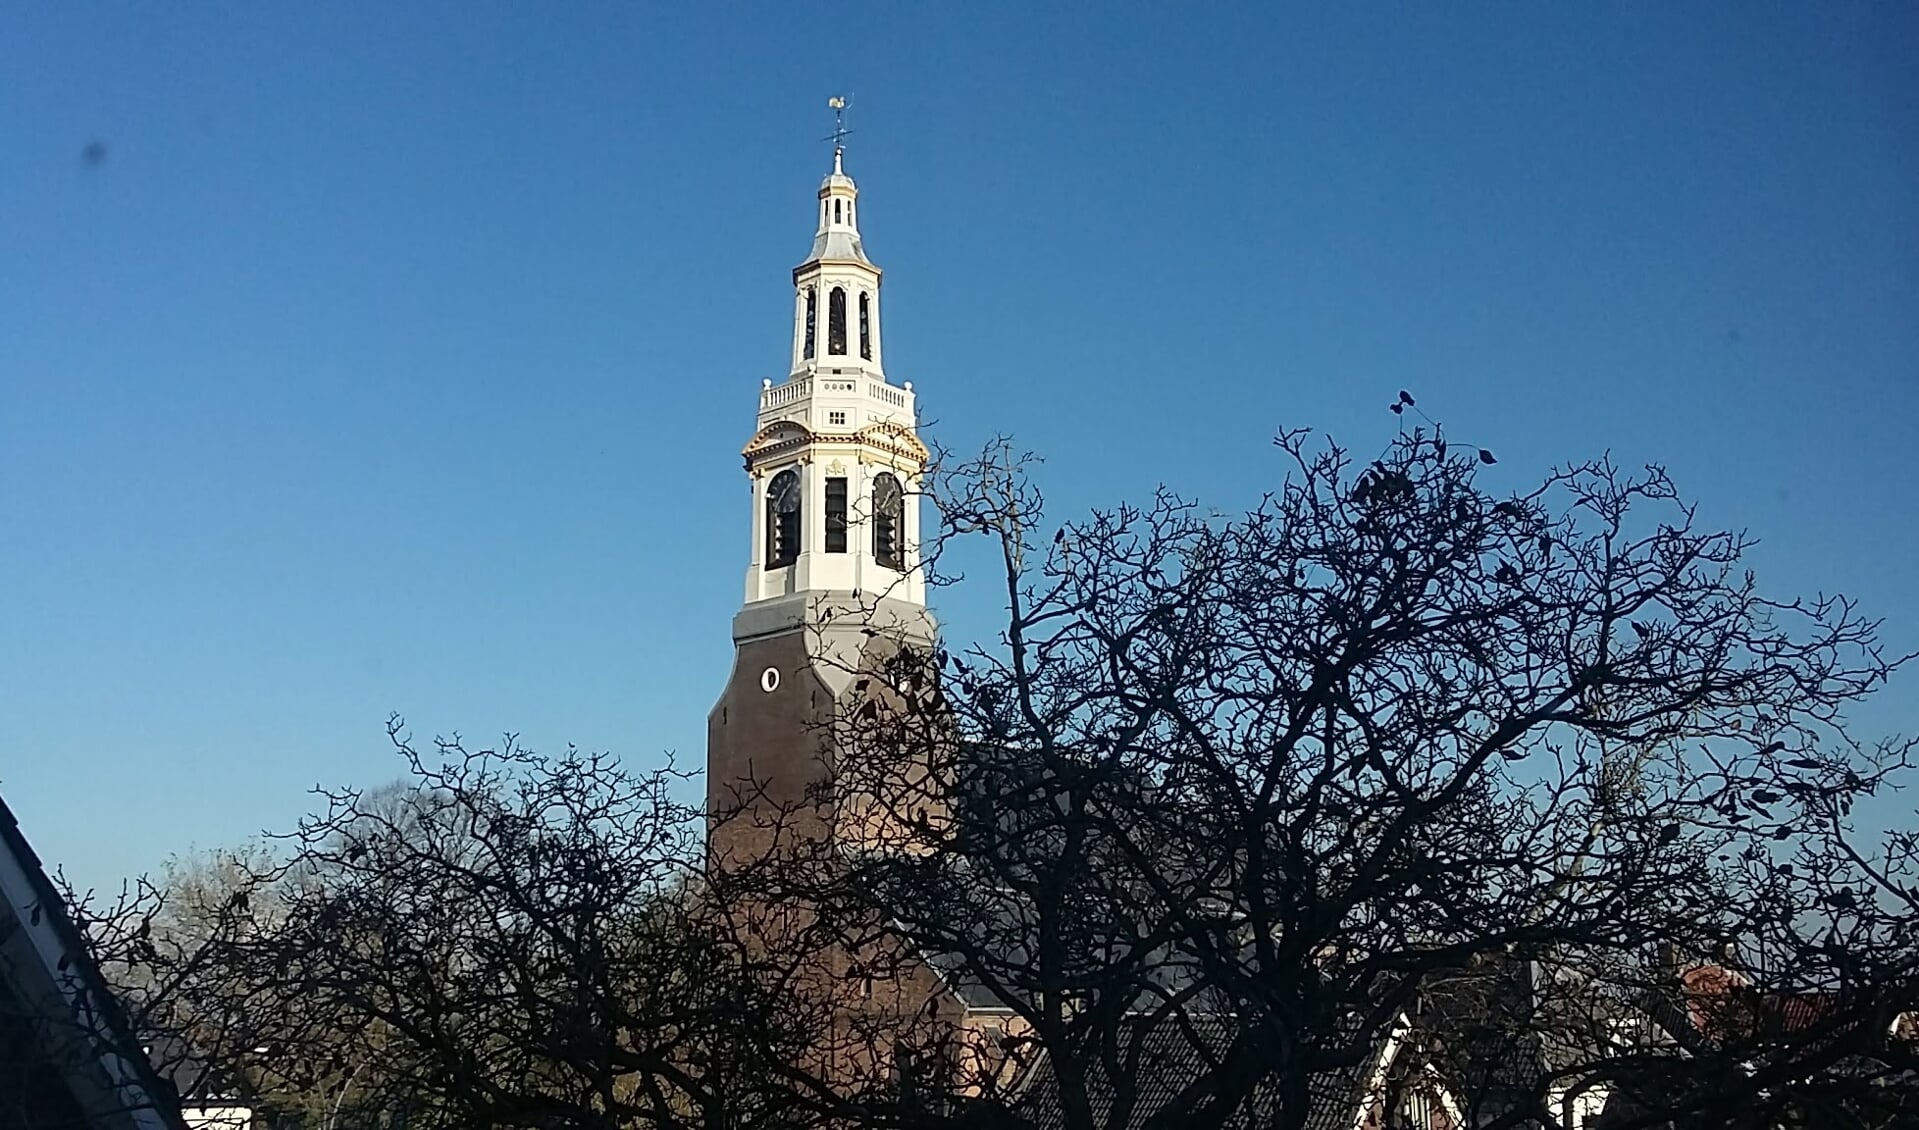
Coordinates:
[779,396]
[775,397]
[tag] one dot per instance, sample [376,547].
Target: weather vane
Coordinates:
[837,104]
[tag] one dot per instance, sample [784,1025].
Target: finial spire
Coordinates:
[838,104]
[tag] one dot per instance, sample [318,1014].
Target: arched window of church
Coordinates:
[889,522]
[783,520]
[836,321]
[836,211]
[866,326]
[812,312]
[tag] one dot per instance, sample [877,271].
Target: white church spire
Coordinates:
[837,289]
[836,463]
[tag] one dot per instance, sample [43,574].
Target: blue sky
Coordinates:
[397,357]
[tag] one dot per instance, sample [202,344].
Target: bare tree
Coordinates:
[1398,795]
[1396,760]
[508,940]
[157,944]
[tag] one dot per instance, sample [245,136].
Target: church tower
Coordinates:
[834,587]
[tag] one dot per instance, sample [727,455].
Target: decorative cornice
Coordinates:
[770,434]
[897,438]
[888,445]
[815,266]
[778,436]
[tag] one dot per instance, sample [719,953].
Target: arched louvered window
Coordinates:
[866,325]
[889,522]
[783,520]
[812,312]
[836,321]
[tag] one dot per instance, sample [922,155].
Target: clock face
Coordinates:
[786,492]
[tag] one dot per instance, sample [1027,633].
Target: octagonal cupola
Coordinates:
[838,237]
[837,290]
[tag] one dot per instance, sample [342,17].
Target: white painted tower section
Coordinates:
[836,441]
